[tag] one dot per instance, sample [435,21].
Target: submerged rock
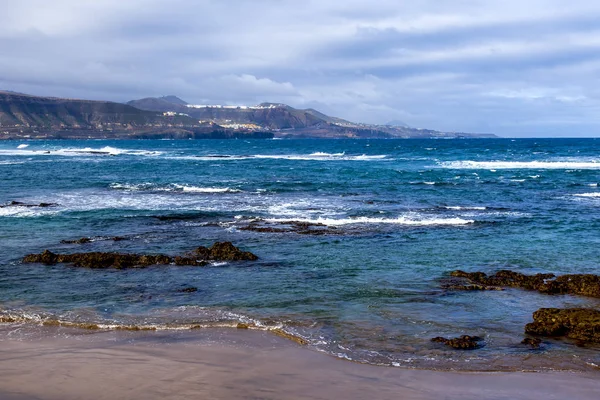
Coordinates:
[578,284]
[581,324]
[225,251]
[533,342]
[299,227]
[465,342]
[190,289]
[83,240]
[463,284]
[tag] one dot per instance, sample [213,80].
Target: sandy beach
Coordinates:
[224,364]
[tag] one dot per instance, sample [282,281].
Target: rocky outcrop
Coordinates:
[99,260]
[464,342]
[581,324]
[577,284]
[299,227]
[220,251]
[223,251]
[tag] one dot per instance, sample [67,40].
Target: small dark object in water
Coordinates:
[190,289]
[533,342]
[83,240]
[465,342]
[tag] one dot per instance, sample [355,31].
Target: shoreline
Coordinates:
[227,363]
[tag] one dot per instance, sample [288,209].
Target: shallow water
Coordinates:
[398,215]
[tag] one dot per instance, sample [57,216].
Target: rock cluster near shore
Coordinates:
[580,324]
[220,251]
[577,284]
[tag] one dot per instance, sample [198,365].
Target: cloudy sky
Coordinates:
[511,67]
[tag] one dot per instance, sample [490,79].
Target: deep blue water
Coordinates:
[403,214]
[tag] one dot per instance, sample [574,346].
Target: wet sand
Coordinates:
[224,364]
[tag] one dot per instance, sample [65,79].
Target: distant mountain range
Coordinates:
[26,116]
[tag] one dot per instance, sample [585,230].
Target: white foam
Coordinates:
[11,162]
[22,146]
[25,212]
[521,164]
[86,151]
[317,156]
[592,184]
[465,208]
[173,187]
[595,194]
[402,220]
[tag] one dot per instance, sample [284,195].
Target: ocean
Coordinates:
[354,239]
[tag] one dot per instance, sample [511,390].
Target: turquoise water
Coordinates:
[401,215]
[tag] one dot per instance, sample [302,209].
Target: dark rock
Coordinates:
[465,342]
[83,240]
[581,324]
[577,284]
[118,238]
[533,342]
[299,227]
[224,251]
[188,290]
[99,260]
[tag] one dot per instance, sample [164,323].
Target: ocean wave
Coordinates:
[173,187]
[203,319]
[494,165]
[402,220]
[86,151]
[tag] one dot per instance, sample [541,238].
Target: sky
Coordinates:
[513,68]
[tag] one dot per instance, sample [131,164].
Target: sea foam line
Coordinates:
[86,151]
[521,164]
[173,187]
[594,194]
[317,156]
